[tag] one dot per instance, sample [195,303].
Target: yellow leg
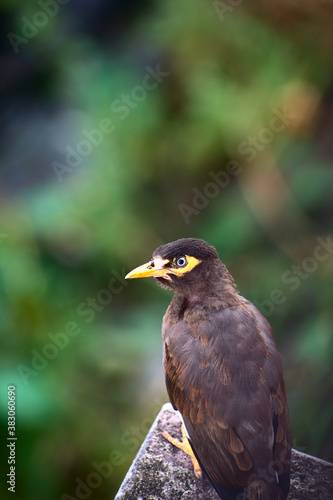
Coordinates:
[186,447]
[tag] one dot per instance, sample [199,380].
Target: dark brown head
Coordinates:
[188,266]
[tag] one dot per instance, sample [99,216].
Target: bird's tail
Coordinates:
[261,490]
[257,490]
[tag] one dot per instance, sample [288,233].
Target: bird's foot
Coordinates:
[186,448]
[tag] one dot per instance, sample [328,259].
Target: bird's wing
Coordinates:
[225,377]
[273,375]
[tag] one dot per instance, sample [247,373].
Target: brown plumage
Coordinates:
[223,373]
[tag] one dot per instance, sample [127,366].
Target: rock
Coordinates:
[161,471]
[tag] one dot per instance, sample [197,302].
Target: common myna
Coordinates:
[223,373]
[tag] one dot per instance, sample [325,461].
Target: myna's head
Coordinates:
[187,265]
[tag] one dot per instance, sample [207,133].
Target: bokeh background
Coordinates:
[115,117]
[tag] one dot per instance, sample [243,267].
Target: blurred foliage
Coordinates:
[69,234]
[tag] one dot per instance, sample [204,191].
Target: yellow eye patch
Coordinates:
[180,271]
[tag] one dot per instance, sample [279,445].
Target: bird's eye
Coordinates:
[181,261]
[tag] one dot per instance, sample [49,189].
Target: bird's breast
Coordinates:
[221,354]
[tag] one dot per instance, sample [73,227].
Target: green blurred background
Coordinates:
[182,91]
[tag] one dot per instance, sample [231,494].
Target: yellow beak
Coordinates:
[152,268]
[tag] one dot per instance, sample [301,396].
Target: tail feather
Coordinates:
[258,491]
[262,490]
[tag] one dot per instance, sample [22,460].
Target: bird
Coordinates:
[223,373]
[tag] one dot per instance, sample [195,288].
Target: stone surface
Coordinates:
[161,471]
